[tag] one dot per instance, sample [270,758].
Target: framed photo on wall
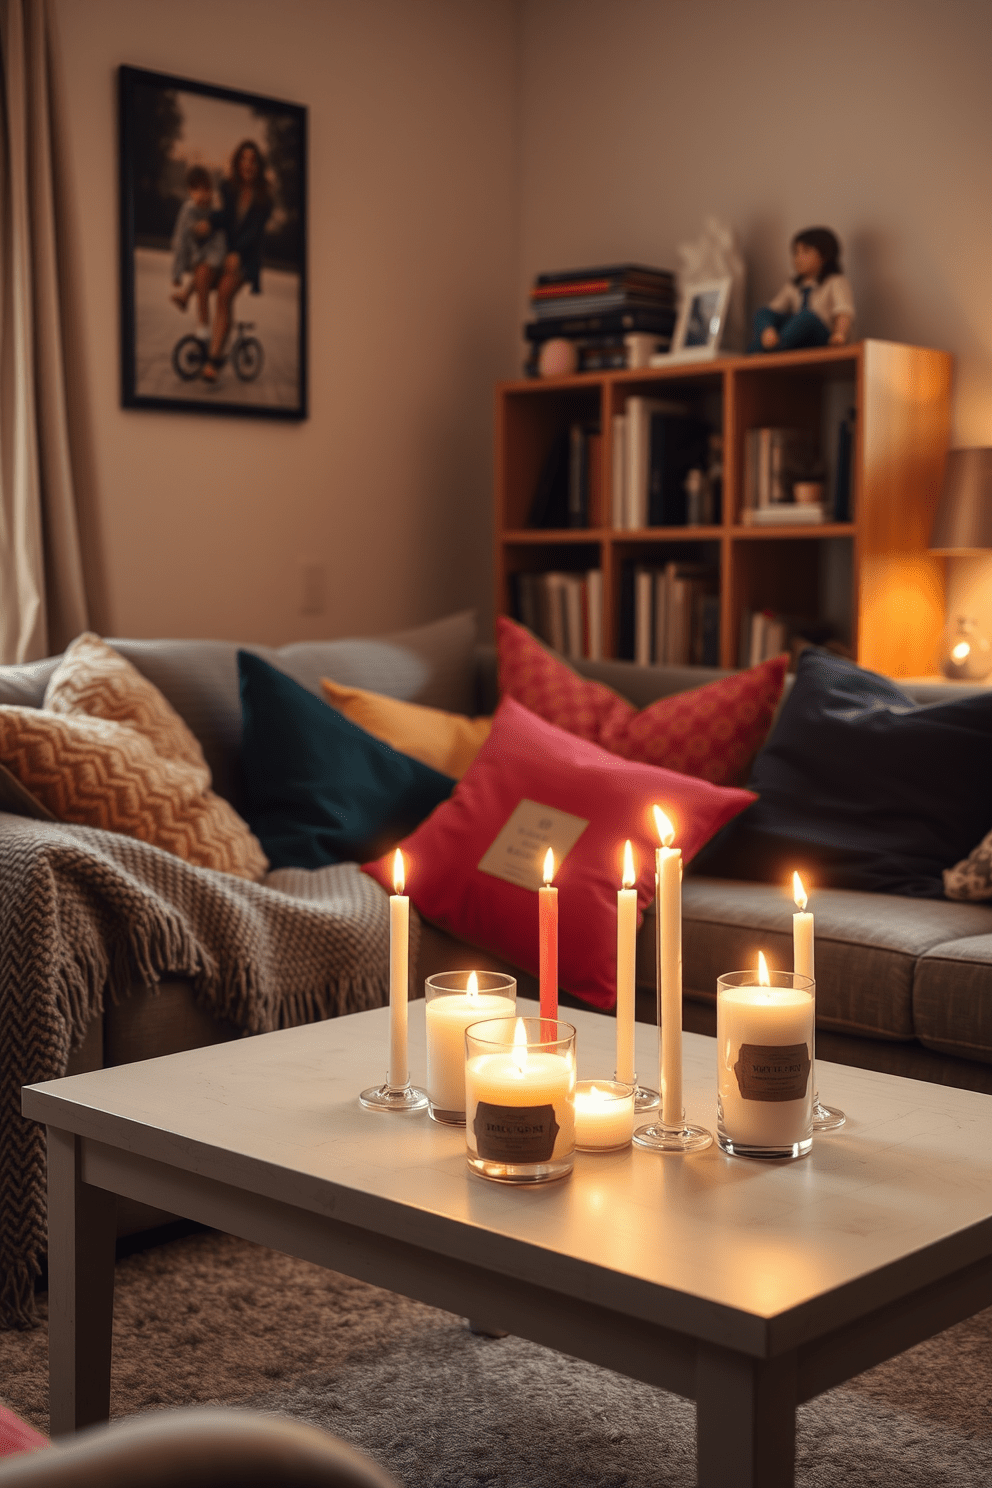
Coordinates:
[213,249]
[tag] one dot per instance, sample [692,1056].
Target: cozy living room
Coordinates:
[495,705]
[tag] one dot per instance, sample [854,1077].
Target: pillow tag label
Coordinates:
[772,1072]
[515,1134]
[517,855]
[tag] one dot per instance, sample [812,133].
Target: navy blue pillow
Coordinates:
[319,789]
[861,787]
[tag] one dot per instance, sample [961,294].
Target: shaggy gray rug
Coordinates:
[208,1319]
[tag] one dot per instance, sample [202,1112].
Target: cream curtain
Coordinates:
[42,594]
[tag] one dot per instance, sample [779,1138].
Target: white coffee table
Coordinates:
[748,1287]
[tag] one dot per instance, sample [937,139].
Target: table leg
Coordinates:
[81,1234]
[745,1420]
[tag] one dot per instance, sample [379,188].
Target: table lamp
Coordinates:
[963,526]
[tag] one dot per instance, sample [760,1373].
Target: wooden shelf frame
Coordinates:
[902,395]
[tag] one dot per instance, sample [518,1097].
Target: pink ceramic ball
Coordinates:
[558,358]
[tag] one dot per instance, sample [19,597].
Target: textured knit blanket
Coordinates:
[85,915]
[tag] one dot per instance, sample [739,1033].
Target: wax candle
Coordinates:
[668,878]
[802,931]
[519,1102]
[626,961]
[765,1050]
[548,940]
[448,1016]
[604,1114]
[399,975]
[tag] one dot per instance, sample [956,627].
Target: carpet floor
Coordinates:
[207,1319]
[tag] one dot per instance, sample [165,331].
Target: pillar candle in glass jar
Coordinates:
[454,1000]
[764,1062]
[520,1099]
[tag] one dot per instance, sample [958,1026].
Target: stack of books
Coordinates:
[670,614]
[563,609]
[596,308]
[568,483]
[774,459]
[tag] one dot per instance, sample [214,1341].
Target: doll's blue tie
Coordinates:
[806,292]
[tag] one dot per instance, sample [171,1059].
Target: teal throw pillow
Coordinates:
[319,789]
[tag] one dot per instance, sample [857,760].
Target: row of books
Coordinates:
[655,444]
[563,609]
[778,460]
[568,485]
[767,633]
[596,308]
[670,614]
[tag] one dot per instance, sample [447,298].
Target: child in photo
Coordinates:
[196,241]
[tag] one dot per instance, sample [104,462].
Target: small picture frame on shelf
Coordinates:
[701,323]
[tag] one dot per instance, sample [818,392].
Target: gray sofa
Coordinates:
[903,985]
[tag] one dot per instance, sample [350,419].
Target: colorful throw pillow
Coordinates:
[861,788]
[712,732]
[971,879]
[107,750]
[319,789]
[17,1436]
[447,742]
[526,767]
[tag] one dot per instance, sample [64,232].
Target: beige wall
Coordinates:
[640,118]
[200,526]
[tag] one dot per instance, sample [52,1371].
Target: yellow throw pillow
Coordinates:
[107,750]
[447,742]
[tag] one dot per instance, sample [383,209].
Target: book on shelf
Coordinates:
[674,614]
[662,442]
[774,459]
[766,633]
[593,304]
[787,514]
[618,466]
[843,504]
[626,273]
[565,610]
[613,323]
[569,481]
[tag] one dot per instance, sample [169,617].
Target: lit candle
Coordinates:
[515,1090]
[447,1019]
[668,877]
[604,1114]
[765,1050]
[399,976]
[548,936]
[802,932]
[626,961]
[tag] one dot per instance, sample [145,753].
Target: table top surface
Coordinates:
[753,1254]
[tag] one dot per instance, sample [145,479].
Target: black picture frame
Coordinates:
[169,126]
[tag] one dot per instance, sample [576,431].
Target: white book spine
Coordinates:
[637,463]
[594,604]
[618,494]
[643,615]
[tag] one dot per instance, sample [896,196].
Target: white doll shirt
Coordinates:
[832,297]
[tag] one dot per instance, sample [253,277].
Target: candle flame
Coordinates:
[549,867]
[473,985]
[629,876]
[399,873]
[798,892]
[764,980]
[664,827]
[520,1047]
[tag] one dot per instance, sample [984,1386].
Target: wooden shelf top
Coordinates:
[526,536]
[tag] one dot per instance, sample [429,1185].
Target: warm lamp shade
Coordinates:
[964,518]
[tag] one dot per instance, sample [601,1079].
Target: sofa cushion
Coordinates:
[528,762]
[952,995]
[712,732]
[446,741]
[319,789]
[140,773]
[862,789]
[867,948]
[431,664]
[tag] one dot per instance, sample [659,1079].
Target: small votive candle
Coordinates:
[604,1115]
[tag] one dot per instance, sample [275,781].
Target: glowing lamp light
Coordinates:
[961,651]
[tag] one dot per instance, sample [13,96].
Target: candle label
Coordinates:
[517,854]
[515,1134]
[773,1072]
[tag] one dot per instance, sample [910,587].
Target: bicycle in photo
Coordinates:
[245,354]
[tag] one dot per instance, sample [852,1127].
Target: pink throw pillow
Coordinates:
[712,732]
[17,1436]
[526,759]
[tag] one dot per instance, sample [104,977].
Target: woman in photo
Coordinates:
[242,217]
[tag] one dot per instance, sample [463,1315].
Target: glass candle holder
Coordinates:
[764,1037]
[604,1115]
[520,1099]
[454,999]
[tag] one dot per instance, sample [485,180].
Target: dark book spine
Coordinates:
[614,323]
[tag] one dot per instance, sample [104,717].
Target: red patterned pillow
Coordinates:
[529,767]
[712,732]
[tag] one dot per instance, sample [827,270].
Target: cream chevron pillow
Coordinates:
[107,750]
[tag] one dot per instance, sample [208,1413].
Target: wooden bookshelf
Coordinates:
[891,588]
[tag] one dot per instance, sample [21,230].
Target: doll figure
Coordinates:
[816,307]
